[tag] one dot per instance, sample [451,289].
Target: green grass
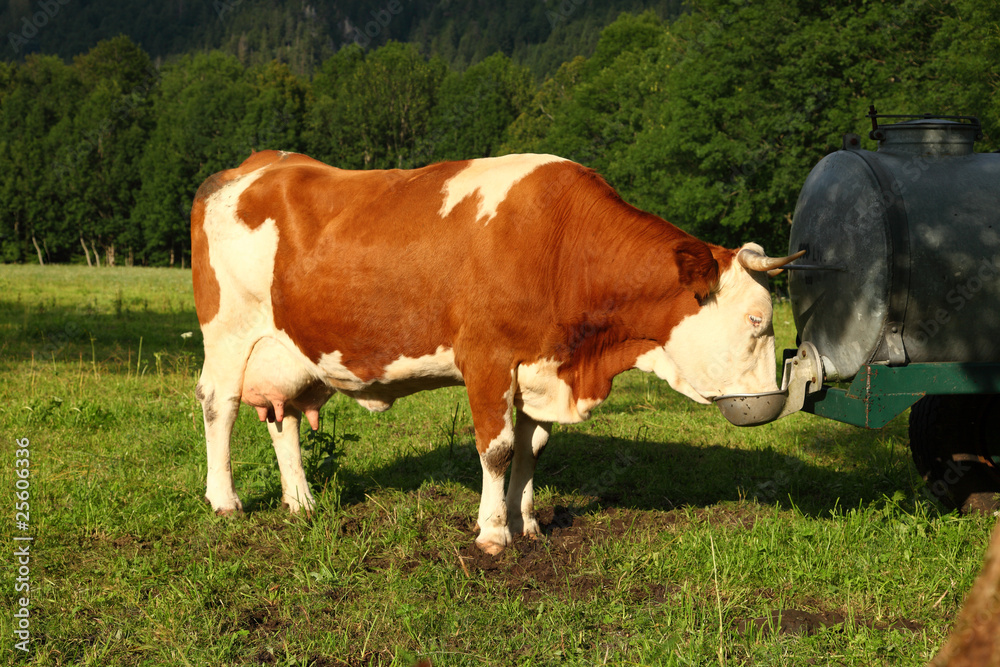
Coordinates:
[673,538]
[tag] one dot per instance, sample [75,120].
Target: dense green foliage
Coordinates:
[711,119]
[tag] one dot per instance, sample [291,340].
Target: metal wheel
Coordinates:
[956,447]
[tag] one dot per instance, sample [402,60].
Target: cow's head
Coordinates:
[727,345]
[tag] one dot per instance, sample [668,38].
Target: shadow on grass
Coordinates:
[60,333]
[607,472]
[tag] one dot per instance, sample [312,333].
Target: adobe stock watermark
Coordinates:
[782,480]
[940,490]
[31,24]
[381,18]
[223,7]
[22,546]
[901,17]
[620,465]
[878,203]
[562,11]
[958,298]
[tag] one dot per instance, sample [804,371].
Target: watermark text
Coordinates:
[22,545]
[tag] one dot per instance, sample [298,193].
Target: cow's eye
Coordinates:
[755,320]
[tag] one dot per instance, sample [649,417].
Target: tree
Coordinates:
[37,98]
[103,144]
[967,48]
[390,96]
[714,121]
[373,108]
[533,130]
[276,110]
[474,109]
[201,110]
[757,94]
[328,133]
[711,120]
[593,109]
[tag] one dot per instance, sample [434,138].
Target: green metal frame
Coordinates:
[879,393]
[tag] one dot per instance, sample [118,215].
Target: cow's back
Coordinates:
[382,265]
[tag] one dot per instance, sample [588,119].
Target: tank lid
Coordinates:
[926,134]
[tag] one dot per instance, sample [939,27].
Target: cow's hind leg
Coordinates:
[530,437]
[220,402]
[285,437]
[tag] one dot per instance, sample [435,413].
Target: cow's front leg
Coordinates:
[494,534]
[295,493]
[491,400]
[530,437]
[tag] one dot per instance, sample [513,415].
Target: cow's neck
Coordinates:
[622,299]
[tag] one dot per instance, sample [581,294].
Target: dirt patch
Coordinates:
[567,538]
[265,657]
[791,622]
[546,566]
[350,526]
[806,622]
[551,565]
[369,658]
[263,620]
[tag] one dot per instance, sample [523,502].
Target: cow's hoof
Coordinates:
[234,509]
[532,529]
[492,548]
[304,511]
[229,512]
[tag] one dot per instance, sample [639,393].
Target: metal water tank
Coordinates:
[908,244]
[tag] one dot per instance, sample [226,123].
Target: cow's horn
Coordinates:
[755,261]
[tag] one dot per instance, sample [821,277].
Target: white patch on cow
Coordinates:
[584,406]
[374,404]
[294,485]
[440,364]
[658,362]
[244,296]
[337,374]
[377,395]
[245,314]
[546,397]
[492,178]
[727,347]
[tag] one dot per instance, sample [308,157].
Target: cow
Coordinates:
[525,278]
[975,638]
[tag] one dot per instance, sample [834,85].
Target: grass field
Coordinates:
[672,538]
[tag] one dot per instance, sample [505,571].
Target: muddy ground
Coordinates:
[552,566]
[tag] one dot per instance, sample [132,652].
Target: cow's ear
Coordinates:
[696,267]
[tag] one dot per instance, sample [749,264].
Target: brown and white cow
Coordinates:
[525,277]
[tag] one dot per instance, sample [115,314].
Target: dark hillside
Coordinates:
[302,34]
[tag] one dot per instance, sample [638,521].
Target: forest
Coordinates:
[710,116]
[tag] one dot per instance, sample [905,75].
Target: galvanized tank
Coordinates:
[909,241]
